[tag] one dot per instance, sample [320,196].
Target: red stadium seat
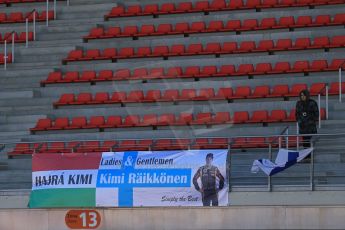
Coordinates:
[301,44]
[60,123]
[159,51]
[169,95]
[97,32]
[126,145]
[212,48]
[116,11]
[183,119]
[82,98]
[242,92]
[292,116]
[183,7]
[264,46]
[229,47]
[269,3]
[166,119]
[104,75]
[107,146]
[337,41]
[178,49]
[42,124]
[134,96]
[303,21]
[65,99]
[164,29]
[339,19]
[226,70]
[245,69]
[318,65]
[280,67]
[277,116]
[187,95]
[86,76]
[283,44]
[133,10]
[322,20]
[95,122]
[296,89]
[151,9]
[122,74]
[74,55]
[93,54]
[167,8]
[217,5]
[299,66]
[117,97]
[100,98]
[236,4]
[197,27]
[126,52]
[260,92]
[191,71]
[246,46]
[130,121]
[149,120]
[259,116]
[143,52]
[112,122]
[240,117]
[232,25]
[317,88]
[223,94]
[336,64]
[202,119]
[252,4]
[267,23]
[249,24]
[200,143]
[139,73]
[279,91]
[204,94]
[215,26]
[284,22]
[112,32]
[334,88]
[320,42]
[194,49]
[207,71]
[220,118]
[146,30]
[180,28]
[53,77]
[77,123]
[200,5]
[262,68]
[152,96]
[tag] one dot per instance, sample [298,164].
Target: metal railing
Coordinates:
[340,81]
[310,175]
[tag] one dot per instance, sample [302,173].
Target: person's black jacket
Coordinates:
[307,115]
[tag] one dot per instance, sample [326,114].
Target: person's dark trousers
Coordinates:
[306,142]
[208,197]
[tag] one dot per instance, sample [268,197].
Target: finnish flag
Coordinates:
[285,159]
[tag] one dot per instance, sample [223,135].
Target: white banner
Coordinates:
[165,178]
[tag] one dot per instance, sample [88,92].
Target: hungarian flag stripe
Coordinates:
[80,197]
[68,161]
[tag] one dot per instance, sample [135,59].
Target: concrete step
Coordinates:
[16,127]
[20,119]
[17,94]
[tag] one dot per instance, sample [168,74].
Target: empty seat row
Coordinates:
[215,26]
[149,120]
[214,48]
[193,71]
[204,94]
[16,17]
[206,6]
[148,144]
[17,39]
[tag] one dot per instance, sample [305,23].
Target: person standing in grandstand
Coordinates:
[307,115]
[208,174]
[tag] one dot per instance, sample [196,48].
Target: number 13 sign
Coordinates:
[82,219]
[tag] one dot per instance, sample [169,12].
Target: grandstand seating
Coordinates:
[200,49]
[205,6]
[214,26]
[19,17]
[21,38]
[153,120]
[146,144]
[198,71]
[204,94]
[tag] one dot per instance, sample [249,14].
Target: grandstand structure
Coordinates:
[104,75]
